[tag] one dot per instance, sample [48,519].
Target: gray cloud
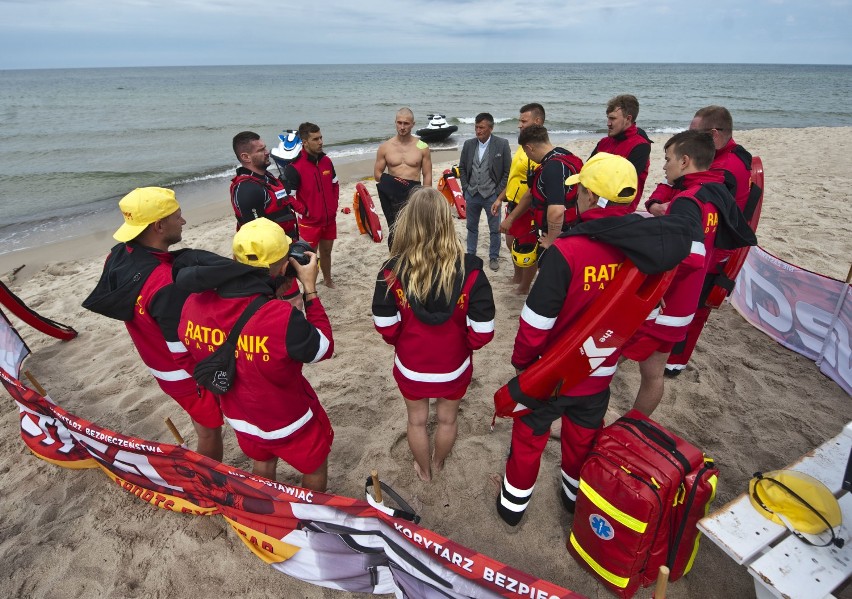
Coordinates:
[45,33]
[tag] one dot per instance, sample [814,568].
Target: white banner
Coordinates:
[804,311]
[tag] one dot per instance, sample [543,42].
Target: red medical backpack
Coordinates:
[642,491]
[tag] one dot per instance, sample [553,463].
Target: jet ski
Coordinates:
[437,130]
[289,146]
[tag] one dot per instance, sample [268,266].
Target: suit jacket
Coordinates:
[499,154]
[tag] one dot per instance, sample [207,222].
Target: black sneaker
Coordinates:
[508,516]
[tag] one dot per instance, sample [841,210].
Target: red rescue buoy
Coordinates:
[365,213]
[450,186]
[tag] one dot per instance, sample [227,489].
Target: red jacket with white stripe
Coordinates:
[435,342]
[270,398]
[694,199]
[168,361]
[136,287]
[572,274]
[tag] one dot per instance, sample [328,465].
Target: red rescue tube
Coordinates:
[47,326]
[442,187]
[450,187]
[735,263]
[365,213]
[605,325]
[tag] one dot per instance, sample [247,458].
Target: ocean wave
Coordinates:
[357,141]
[572,132]
[171,129]
[465,120]
[671,130]
[218,174]
[354,151]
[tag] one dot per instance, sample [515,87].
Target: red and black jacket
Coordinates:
[548,186]
[136,287]
[270,398]
[255,196]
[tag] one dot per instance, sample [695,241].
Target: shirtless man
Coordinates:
[406,158]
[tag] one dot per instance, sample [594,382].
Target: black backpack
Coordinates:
[216,371]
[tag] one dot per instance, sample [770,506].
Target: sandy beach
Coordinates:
[746,401]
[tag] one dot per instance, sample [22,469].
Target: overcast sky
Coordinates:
[97,33]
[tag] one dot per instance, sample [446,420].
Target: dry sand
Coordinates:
[746,401]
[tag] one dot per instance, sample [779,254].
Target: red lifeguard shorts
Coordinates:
[313,233]
[305,450]
[523,226]
[452,396]
[641,345]
[204,410]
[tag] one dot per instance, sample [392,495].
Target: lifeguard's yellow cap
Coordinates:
[143,206]
[610,177]
[260,242]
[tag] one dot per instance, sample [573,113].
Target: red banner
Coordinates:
[803,311]
[328,540]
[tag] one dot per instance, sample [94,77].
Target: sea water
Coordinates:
[73,141]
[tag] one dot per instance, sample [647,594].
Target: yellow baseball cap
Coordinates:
[260,242]
[612,178]
[143,206]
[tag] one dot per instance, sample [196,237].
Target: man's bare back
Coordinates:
[404,155]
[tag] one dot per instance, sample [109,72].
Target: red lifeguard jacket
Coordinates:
[434,359]
[623,145]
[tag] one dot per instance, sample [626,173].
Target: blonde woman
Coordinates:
[433,303]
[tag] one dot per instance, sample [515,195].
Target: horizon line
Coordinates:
[332,64]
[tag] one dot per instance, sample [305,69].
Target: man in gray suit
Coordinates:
[484,167]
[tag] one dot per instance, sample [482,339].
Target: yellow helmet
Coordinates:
[798,501]
[524,254]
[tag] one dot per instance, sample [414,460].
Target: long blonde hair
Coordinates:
[427,250]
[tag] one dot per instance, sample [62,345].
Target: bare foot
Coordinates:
[436,468]
[329,283]
[425,478]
